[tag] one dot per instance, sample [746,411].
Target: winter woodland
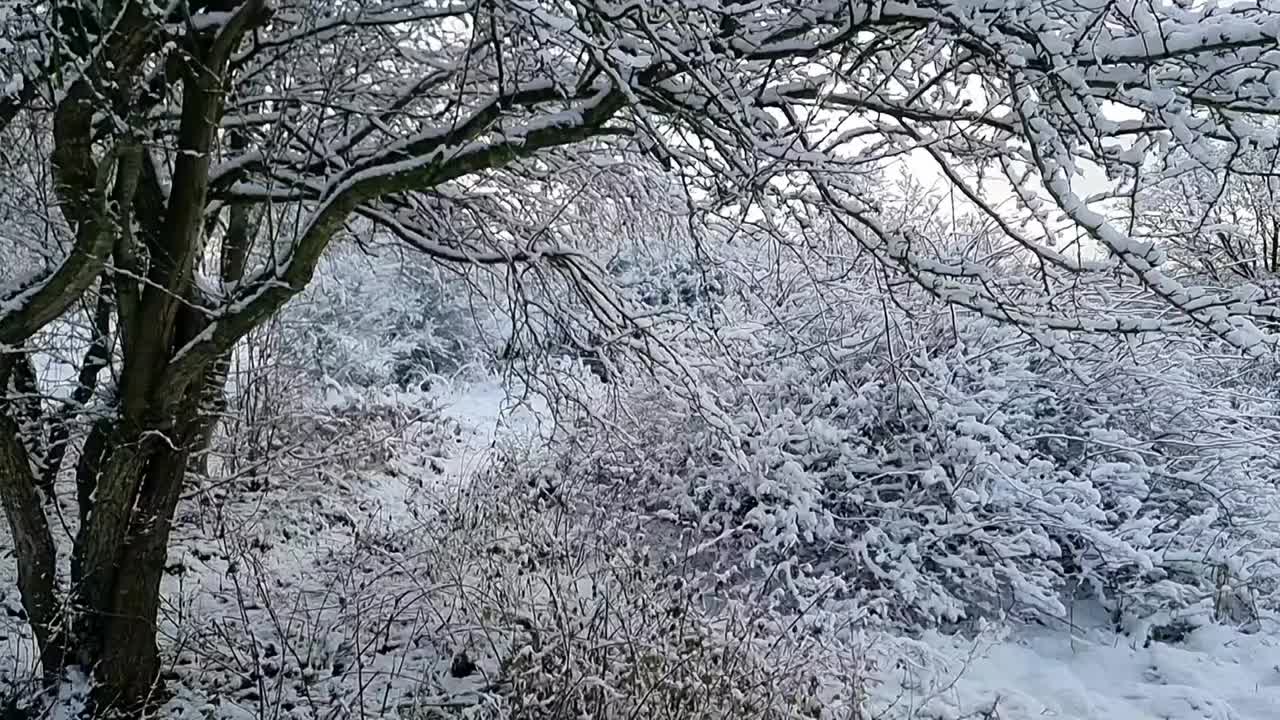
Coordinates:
[541,359]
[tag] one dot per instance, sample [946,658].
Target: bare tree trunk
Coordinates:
[33,548]
[117,569]
[129,665]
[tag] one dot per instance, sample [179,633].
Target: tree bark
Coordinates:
[116,590]
[33,548]
[128,669]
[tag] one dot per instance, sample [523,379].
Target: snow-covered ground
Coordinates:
[1216,674]
[488,415]
[331,562]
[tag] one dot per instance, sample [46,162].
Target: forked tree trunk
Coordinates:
[127,661]
[116,590]
[104,622]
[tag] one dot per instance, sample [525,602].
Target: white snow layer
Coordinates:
[1217,673]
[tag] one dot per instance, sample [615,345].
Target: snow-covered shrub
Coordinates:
[929,471]
[308,591]
[497,600]
[577,617]
[352,362]
[681,284]
[380,320]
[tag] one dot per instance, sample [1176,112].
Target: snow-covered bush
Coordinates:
[933,469]
[674,284]
[377,320]
[496,600]
[309,592]
[580,617]
[352,362]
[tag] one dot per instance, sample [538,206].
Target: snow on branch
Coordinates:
[772,111]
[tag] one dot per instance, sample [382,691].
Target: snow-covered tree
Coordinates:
[1221,224]
[174,172]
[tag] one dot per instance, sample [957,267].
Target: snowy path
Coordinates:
[342,599]
[487,416]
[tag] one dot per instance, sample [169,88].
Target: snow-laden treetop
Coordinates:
[412,116]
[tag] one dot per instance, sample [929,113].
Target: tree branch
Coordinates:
[268,293]
[82,187]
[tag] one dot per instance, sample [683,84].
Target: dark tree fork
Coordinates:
[204,154]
